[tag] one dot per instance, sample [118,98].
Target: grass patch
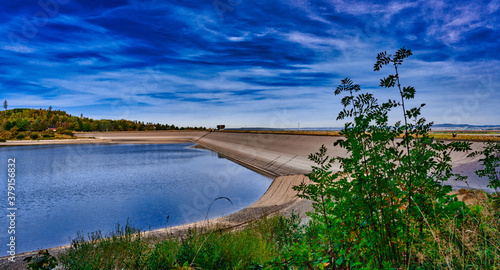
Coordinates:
[122,248]
[470,240]
[215,248]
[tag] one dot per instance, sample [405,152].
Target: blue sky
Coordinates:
[245,63]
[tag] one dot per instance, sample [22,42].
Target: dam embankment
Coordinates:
[275,154]
[271,154]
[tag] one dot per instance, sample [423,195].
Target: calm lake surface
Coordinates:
[65,189]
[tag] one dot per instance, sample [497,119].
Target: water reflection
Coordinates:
[68,188]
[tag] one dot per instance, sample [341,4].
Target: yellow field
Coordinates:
[467,137]
[289,132]
[444,135]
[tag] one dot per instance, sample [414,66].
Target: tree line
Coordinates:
[18,122]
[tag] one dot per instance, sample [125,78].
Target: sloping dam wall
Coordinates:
[274,154]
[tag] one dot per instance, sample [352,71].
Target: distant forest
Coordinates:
[22,123]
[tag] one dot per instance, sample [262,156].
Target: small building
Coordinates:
[221,127]
[52,128]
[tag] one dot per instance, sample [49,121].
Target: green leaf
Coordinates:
[390,81]
[382,60]
[408,92]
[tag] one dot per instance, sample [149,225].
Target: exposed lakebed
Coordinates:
[63,189]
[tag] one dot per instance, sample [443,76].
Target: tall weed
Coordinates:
[382,210]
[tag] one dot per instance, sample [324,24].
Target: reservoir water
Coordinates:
[64,189]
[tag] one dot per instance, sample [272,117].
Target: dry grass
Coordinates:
[471,196]
[467,137]
[465,242]
[288,132]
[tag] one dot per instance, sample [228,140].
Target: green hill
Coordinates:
[35,123]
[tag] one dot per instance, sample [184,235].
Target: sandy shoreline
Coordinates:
[53,142]
[281,156]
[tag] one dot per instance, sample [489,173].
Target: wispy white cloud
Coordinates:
[18,48]
[450,22]
[315,42]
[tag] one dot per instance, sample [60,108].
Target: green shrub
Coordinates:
[35,136]
[490,163]
[20,136]
[14,130]
[43,260]
[69,133]
[376,212]
[47,135]
[2,140]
